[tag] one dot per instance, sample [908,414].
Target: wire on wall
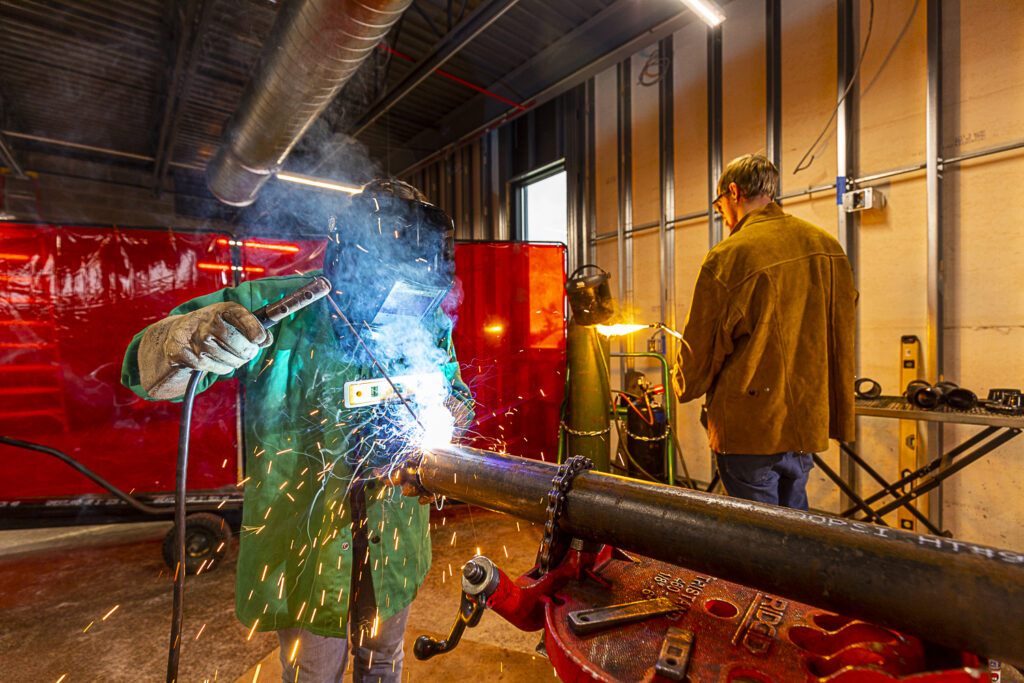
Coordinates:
[808,156]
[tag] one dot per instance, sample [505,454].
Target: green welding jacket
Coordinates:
[296,544]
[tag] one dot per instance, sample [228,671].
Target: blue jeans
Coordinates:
[779,479]
[320,659]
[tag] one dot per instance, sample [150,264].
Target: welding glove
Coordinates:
[218,338]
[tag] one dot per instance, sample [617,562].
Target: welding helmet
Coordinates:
[390,256]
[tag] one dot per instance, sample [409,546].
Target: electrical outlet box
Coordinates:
[866,198]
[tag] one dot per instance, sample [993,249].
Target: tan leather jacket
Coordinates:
[770,338]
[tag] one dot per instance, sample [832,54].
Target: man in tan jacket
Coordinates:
[769,339]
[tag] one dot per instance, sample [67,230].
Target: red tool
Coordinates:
[608,616]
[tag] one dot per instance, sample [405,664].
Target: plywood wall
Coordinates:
[983,254]
[984,247]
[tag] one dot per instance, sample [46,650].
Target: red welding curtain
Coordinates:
[72,298]
[510,338]
[70,301]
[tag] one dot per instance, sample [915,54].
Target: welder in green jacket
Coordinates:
[326,551]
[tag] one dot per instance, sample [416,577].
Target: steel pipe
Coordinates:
[958,594]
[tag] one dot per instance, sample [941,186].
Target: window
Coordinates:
[541,208]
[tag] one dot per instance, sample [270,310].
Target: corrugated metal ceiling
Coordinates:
[103,73]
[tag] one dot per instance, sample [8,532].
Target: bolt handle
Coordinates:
[469,615]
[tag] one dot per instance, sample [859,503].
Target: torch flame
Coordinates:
[620,329]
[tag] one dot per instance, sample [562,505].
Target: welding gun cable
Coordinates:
[67,459]
[177,613]
[268,316]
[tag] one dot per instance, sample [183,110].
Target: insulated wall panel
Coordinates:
[691,245]
[647,70]
[743,80]
[690,106]
[808,93]
[892,85]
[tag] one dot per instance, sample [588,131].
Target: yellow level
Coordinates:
[908,455]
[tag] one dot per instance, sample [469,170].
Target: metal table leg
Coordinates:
[939,477]
[889,488]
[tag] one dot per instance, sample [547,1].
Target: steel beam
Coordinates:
[624,101]
[483,16]
[773,81]
[7,155]
[9,159]
[934,338]
[667,183]
[714,84]
[571,60]
[847,49]
[591,173]
[575,148]
[946,591]
[182,15]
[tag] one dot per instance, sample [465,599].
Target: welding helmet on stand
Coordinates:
[390,256]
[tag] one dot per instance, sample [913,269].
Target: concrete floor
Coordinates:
[94,604]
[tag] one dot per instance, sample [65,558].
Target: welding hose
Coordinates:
[68,460]
[268,316]
[180,491]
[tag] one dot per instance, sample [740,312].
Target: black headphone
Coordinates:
[865,387]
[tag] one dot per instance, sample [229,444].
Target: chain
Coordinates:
[647,438]
[574,432]
[560,485]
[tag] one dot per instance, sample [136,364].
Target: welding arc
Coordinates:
[373,358]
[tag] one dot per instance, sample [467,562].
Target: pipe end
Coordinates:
[232,181]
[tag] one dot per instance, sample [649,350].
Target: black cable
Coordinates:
[177,614]
[892,50]
[849,86]
[67,459]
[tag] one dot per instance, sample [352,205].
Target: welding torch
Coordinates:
[268,316]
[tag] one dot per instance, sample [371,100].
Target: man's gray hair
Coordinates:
[754,175]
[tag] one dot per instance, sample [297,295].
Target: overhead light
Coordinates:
[708,10]
[226,267]
[316,182]
[286,248]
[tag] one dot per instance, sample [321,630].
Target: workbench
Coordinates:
[998,429]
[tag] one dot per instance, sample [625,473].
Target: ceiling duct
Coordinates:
[313,49]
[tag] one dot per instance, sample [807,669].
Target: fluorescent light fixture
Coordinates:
[316,182]
[708,10]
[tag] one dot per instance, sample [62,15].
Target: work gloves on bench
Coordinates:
[218,338]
